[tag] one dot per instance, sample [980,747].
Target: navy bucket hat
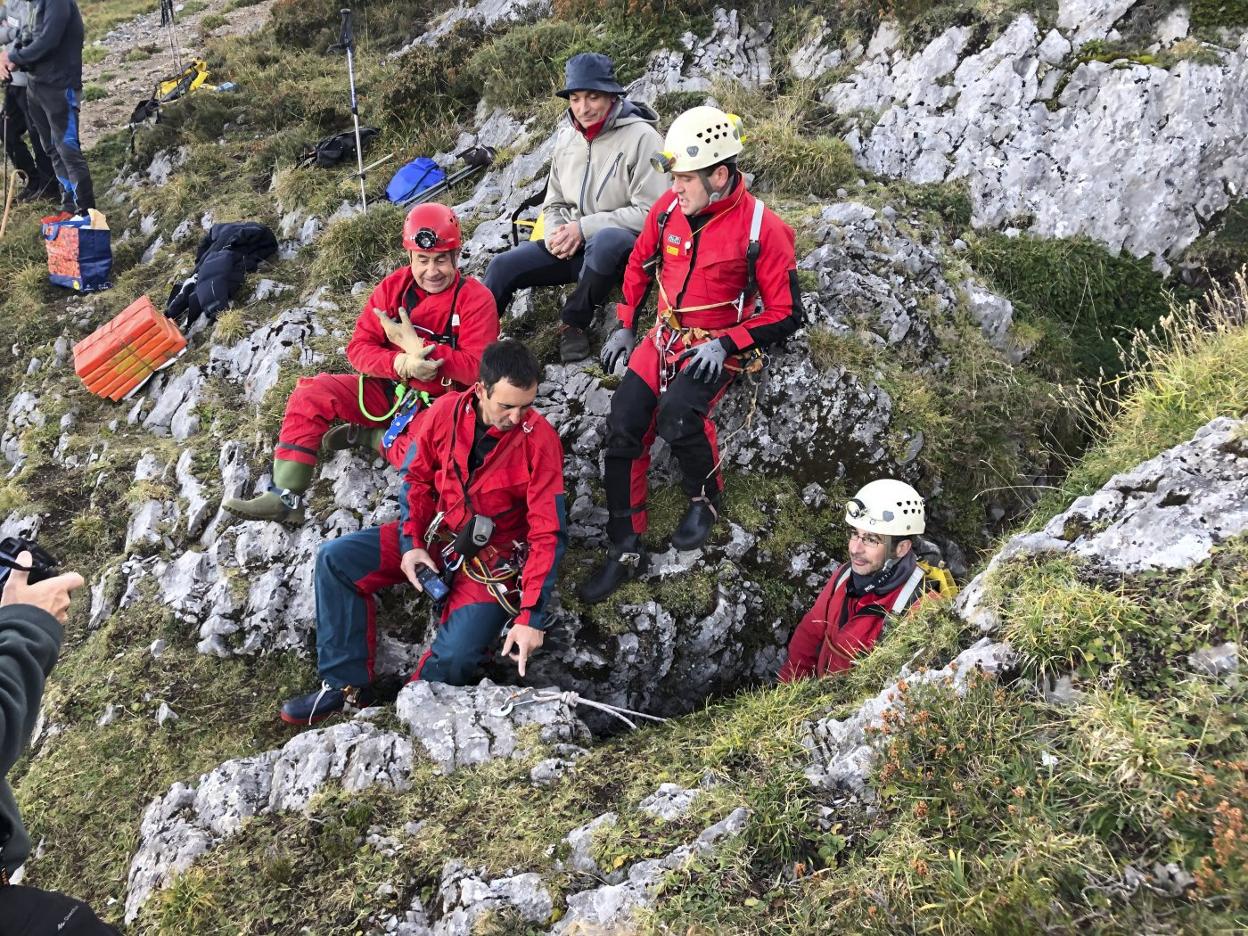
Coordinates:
[590,71]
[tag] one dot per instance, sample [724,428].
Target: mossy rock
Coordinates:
[1086,301]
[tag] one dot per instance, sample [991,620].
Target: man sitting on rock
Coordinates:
[483,520]
[421,334]
[600,187]
[882,577]
[726,274]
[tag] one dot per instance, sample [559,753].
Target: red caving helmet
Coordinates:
[431,228]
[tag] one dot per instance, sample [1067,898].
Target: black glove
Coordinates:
[706,361]
[618,348]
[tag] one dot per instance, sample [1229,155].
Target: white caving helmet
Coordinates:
[886,507]
[699,138]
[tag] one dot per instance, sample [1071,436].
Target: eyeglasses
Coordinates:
[867,539]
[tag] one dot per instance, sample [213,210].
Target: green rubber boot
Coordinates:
[349,435]
[282,501]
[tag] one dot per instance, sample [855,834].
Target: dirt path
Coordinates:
[139,56]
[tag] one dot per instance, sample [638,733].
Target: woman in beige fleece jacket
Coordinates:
[600,188]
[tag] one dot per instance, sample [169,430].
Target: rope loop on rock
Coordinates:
[531,696]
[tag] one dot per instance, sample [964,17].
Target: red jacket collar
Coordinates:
[594,130]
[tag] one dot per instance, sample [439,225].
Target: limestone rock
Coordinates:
[192,818]
[1090,19]
[1171,136]
[733,50]
[466,895]
[1169,512]
[458,725]
[1215,661]
[256,359]
[843,754]
[175,395]
[670,801]
[611,905]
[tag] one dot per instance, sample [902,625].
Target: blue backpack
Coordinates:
[419,174]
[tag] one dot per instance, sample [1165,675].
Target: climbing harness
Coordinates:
[531,696]
[407,403]
[671,339]
[497,570]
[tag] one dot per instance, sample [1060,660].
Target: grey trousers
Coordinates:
[54,115]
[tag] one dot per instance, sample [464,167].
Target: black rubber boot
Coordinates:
[573,344]
[695,526]
[625,562]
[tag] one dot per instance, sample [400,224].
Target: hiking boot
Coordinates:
[38,193]
[695,526]
[573,344]
[319,704]
[625,562]
[349,435]
[275,504]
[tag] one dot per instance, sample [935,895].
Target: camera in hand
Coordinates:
[432,583]
[43,564]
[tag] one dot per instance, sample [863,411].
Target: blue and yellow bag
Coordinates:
[80,252]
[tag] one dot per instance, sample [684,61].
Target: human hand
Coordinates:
[417,366]
[411,562]
[521,641]
[565,240]
[618,348]
[52,595]
[401,333]
[6,67]
[706,361]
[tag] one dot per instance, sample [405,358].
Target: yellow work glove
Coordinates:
[417,366]
[400,333]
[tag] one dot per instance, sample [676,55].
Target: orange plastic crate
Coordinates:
[121,355]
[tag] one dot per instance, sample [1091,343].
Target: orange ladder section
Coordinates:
[121,355]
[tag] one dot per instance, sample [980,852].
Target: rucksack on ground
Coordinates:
[418,175]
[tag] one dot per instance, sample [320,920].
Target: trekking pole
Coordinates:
[171,27]
[4,119]
[347,41]
[10,189]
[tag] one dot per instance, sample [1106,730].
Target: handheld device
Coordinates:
[432,583]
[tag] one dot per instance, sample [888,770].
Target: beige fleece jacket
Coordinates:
[608,182]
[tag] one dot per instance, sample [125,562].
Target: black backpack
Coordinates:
[336,149]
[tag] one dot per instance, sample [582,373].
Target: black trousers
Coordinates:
[596,270]
[680,415]
[37,167]
[53,114]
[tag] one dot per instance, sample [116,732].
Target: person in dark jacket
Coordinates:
[31,619]
[52,60]
[881,578]
[600,187]
[33,162]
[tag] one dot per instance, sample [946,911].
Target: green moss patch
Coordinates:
[1084,301]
